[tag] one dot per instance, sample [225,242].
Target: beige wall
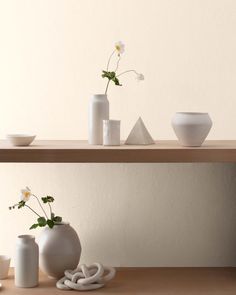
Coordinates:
[51,57]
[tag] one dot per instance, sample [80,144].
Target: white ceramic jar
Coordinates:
[111,132]
[26,262]
[4,266]
[59,249]
[98,111]
[191,129]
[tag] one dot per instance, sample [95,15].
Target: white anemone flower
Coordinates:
[25,194]
[120,47]
[140,77]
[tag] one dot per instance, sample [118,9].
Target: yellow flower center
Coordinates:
[117,47]
[26,195]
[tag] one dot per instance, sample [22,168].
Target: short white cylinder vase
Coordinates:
[191,129]
[98,111]
[111,132]
[59,249]
[26,262]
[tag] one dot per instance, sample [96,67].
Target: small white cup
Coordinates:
[4,266]
[111,132]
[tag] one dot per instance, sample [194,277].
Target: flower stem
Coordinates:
[117,65]
[41,206]
[107,86]
[50,208]
[110,59]
[32,210]
[127,72]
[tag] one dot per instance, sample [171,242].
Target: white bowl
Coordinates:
[20,139]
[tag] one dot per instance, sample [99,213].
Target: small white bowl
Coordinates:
[20,139]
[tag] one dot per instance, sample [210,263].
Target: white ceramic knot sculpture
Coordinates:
[85,278]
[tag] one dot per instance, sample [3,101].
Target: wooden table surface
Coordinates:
[145,281]
[75,151]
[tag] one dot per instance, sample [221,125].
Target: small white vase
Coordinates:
[191,129]
[98,111]
[111,132]
[59,249]
[26,262]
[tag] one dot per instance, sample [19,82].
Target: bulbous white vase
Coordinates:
[59,249]
[191,129]
[98,111]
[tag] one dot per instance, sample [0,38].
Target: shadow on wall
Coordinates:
[134,214]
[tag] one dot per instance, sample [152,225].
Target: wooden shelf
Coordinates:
[146,281]
[72,151]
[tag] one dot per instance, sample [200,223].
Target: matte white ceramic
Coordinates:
[59,249]
[139,134]
[4,266]
[98,111]
[20,139]
[26,262]
[191,129]
[111,132]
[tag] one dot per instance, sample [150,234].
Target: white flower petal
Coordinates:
[120,47]
[25,194]
[140,77]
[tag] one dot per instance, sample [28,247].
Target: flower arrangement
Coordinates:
[44,220]
[113,75]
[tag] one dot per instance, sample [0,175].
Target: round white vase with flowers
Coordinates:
[99,104]
[59,244]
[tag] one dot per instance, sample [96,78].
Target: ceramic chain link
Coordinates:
[85,278]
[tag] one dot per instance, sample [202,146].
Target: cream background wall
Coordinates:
[51,57]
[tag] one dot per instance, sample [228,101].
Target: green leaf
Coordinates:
[34,226]
[116,81]
[57,219]
[42,221]
[52,215]
[21,204]
[47,199]
[50,223]
[109,75]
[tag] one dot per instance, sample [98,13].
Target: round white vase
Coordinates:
[26,262]
[59,249]
[191,129]
[98,111]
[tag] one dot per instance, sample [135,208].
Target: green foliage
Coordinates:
[57,219]
[21,204]
[111,76]
[50,223]
[35,225]
[47,199]
[42,221]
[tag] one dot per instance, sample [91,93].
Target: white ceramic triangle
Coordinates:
[139,134]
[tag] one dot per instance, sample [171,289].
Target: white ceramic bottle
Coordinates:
[26,262]
[98,111]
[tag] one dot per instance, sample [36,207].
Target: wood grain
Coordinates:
[72,151]
[146,281]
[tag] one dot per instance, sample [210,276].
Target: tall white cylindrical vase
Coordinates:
[26,262]
[98,111]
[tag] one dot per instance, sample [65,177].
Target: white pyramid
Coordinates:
[139,134]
